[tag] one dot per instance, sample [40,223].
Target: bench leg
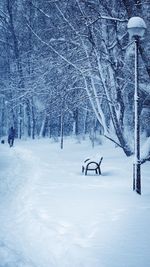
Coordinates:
[82,169]
[99,169]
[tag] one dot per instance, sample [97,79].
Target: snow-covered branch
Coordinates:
[54,50]
[107,18]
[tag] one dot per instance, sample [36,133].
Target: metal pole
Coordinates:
[137,164]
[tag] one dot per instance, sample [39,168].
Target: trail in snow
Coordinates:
[51,215]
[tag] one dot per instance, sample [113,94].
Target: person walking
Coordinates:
[11,136]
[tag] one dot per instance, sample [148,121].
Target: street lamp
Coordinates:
[136,28]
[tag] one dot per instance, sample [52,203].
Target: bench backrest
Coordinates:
[100,161]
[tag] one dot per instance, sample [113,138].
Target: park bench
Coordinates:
[92,165]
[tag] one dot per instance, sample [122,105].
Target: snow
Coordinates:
[136,22]
[51,215]
[136,27]
[145,149]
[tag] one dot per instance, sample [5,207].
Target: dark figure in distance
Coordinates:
[11,136]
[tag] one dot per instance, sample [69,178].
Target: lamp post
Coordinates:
[136,28]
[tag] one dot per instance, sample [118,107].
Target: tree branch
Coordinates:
[55,51]
[112,140]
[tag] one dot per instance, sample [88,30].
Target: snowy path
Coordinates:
[52,216]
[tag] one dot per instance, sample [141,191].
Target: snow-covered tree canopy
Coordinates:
[68,67]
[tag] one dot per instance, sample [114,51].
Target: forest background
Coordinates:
[67,68]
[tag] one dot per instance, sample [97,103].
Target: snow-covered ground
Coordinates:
[51,215]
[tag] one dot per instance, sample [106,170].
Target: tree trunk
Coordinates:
[62,130]
[43,127]
[19,122]
[32,120]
